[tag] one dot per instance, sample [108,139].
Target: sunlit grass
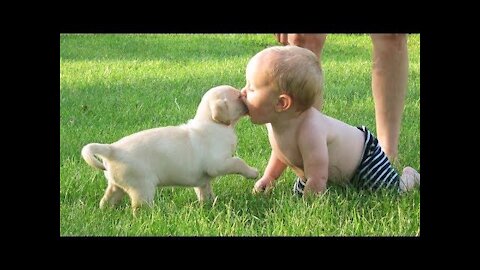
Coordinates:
[114,85]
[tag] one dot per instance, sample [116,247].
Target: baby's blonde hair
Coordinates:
[297,72]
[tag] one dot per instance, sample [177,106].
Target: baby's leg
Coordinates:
[410,177]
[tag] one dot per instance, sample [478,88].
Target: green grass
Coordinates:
[115,85]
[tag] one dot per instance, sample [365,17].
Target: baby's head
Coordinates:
[282,71]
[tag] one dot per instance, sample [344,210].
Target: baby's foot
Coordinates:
[410,177]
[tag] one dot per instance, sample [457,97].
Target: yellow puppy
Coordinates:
[191,154]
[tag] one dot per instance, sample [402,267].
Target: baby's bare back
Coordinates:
[345,149]
[344,142]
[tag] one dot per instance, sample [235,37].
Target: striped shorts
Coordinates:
[375,170]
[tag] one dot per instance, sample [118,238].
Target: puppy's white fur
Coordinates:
[191,154]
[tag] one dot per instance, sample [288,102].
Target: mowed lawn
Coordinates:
[113,85]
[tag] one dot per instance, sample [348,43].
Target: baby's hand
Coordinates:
[264,184]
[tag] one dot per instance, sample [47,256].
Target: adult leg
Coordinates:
[389,87]
[313,42]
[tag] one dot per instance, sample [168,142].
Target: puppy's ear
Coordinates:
[219,110]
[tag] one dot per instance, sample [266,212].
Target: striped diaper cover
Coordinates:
[375,170]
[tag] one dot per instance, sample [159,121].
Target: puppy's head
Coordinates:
[222,104]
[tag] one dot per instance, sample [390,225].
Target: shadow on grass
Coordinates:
[181,48]
[177,48]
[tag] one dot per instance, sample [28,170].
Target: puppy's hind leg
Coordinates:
[141,194]
[113,195]
[205,192]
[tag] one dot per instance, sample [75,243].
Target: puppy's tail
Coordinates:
[90,150]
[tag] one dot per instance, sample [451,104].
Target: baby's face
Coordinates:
[259,94]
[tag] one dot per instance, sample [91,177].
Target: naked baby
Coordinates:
[284,84]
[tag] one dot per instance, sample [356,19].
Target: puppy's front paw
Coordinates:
[103,203]
[252,173]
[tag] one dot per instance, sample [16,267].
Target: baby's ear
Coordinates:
[284,103]
[219,110]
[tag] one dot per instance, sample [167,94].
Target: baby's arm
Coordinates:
[314,150]
[274,169]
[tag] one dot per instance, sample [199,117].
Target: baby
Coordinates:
[284,86]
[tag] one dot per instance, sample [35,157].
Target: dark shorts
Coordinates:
[375,170]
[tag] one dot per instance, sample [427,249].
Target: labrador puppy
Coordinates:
[190,155]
